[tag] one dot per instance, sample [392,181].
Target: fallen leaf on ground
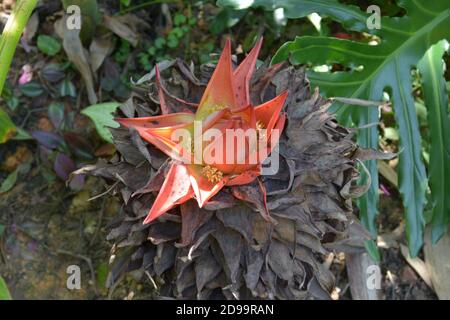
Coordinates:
[77,54]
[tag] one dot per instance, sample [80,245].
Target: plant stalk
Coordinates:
[11,35]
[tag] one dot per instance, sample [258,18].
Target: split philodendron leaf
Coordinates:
[225,105]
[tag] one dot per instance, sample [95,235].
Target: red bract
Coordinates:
[224,107]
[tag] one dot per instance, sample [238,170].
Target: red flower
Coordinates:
[225,108]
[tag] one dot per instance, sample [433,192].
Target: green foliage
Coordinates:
[431,68]
[7,127]
[161,47]
[367,71]
[123,51]
[67,89]
[125,3]
[48,45]
[4,292]
[8,96]
[101,115]
[227,18]
[9,182]
[31,89]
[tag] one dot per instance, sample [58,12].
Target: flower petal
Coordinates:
[176,189]
[159,131]
[162,100]
[245,177]
[243,75]
[219,93]
[203,189]
[166,120]
[278,126]
[269,111]
[271,144]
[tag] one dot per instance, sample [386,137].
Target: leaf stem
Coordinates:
[11,35]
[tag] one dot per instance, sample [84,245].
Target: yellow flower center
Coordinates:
[213,175]
[260,126]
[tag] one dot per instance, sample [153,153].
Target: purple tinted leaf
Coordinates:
[78,145]
[52,73]
[49,140]
[44,154]
[56,113]
[77,182]
[63,166]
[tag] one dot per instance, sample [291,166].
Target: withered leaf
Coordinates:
[164,231]
[231,244]
[254,261]
[77,54]
[165,257]
[254,193]
[206,269]
[118,25]
[238,218]
[280,260]
[99,49]
[221,200]
[192,218]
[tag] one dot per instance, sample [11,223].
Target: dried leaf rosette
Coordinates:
[229,229]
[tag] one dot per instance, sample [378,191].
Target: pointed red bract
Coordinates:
[159,131]
[167,120]
[268,112]
[245,177]
[162,100]
[220,92]
[176,189]
[243,75]
[202,187]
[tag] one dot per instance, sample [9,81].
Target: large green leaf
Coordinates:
[431,68]
[374,69]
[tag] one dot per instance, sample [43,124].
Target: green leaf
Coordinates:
[372,249]
[7,127]
[125,3]
[102,274]
[160,42]
[101,115]
[374,69]
[67,88]
[22,135]
[31,89]
[9,182]
[179,19]
[431,68]
[226,18]
[48,45]
[4,292]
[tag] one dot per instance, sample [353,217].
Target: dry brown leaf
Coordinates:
[99,49]
[417,264]
[77,54]
[32,25]
[437,259]
[119,26]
